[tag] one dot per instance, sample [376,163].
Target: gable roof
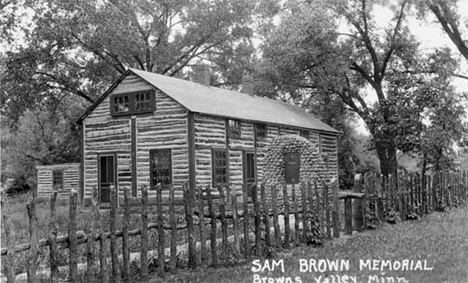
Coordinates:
[215,101]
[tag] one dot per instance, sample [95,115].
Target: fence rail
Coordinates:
[275,217]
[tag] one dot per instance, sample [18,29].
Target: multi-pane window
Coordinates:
[143,101]
[260,131]
[304,133]
[161,167]
[121,104]
[57,180]
[233,128]
[292,164]
[219,167]
[133,103]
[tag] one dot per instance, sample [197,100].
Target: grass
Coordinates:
[439,238]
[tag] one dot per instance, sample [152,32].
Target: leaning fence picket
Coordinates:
[275,218]
[296,215]
[266,216]
[173,223]
[144,233]
[304,208]
[72,250]
[257,220]
[125,246]
[53,239]
[287,228]
[113,237]
[201,215]
[222,214]
[9,262]
[103,256]
[246,221]
[161,236]
[214,254]
[90,243]
[235,222]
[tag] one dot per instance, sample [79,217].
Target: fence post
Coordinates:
[90,245]
[201,214]
[222,214]
[358,214]
[296,215]
[246,221]
[161,236]
[113,239]
[305,221]
[144,233]
[104,254]
[34,246]
[125,247]
[53,239]
[188,199]
[214,254]
[275,217]
[73,269]
[287,228]
[257,220]
[173,221]
[9,261]
[348,212]
[235,221]
[318,207]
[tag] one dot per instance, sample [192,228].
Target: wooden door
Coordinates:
[107,177]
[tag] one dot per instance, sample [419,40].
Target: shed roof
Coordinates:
[226,103]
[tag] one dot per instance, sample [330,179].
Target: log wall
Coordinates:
[210,132]
[166,127]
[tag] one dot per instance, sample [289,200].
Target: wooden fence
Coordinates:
[218,224]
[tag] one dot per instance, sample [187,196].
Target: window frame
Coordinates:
[132,103]
[304,133]
[244,166]
[54,172]
[214,166]
[233,131]
[258,130]
[171,171]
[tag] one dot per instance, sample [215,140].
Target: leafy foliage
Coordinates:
[79,47]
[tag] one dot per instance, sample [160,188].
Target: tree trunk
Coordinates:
[387,157]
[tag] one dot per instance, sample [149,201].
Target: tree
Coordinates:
[310,50]
[41,138]
[79,47]
[448,17]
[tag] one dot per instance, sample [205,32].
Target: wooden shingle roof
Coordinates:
[215,101]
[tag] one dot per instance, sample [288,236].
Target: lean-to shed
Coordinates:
[57,177]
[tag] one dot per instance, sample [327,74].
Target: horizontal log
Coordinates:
[349,194]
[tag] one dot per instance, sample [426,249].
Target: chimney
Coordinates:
[202,74]
[248,84]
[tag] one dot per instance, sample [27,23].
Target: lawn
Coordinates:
[435,247]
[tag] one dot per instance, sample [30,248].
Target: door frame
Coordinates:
[114,155]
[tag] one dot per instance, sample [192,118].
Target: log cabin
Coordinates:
[150,129]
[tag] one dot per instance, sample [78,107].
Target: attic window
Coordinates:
[133,103]
[233,128]
[260,131]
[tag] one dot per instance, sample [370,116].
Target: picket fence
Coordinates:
[270,220]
